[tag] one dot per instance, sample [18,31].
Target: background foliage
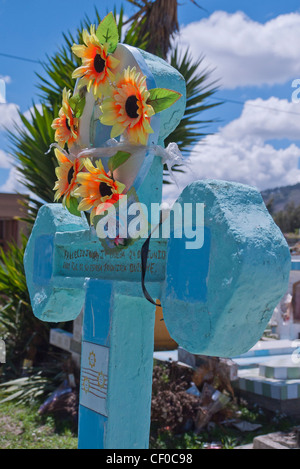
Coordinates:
[288,219]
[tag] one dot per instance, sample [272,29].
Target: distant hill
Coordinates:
[281,196]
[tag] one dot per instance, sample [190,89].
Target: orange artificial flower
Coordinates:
[97,64]
[127,109]
[97,190]
[66,125]
[67,173]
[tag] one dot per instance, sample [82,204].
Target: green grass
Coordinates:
[21,427]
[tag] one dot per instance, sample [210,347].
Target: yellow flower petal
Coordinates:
[78,72]
[89,166]
[108,118]
[117,130]
[79,50]
[147,127]
[120,187]
[85,204]
[100,165]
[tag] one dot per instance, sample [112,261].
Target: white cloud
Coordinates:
[269,119]
[8,116]
[240,151]
[245,52]
[27,114]
[2,92]
[12,184]
[5,78]
[5,162]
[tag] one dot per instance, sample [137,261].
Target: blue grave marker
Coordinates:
[216,300]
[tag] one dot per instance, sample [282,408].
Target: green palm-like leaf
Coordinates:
[198,91]
[35,165]
[18,325]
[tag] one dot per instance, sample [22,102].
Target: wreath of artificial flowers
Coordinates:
[125,104]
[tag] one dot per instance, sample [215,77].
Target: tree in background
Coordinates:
[159,20]
[288,219]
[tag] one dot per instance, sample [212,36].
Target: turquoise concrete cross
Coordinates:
[216,299]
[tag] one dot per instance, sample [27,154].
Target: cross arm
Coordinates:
[63,253]
[51,300]
[218,299]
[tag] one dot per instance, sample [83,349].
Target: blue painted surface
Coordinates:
[248,273]
[102,134]
[130,372]
[88,439]
[192,266]
[54,300]
[295,265]
[164,78]
[43,259]
[97,313]
[87,258]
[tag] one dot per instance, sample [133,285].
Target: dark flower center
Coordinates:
[70,175]
[104,189]
[131,107]
[68,124]
[99,63]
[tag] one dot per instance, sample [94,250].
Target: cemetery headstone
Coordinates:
[218,279]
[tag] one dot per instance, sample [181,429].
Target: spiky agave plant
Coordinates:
[199,89]
[24,335]
[32,369]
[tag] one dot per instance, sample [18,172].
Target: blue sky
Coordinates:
[253,47]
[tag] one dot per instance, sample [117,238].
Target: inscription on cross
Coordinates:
[98,263]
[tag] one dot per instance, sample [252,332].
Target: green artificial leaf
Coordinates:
[97,218]
[162,98]
[73,207]
[117,160]
[107,32]
[77,103]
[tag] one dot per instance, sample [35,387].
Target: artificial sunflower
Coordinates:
[66,125]
[97,64]
[127,110]
[66,173]
[98,191]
